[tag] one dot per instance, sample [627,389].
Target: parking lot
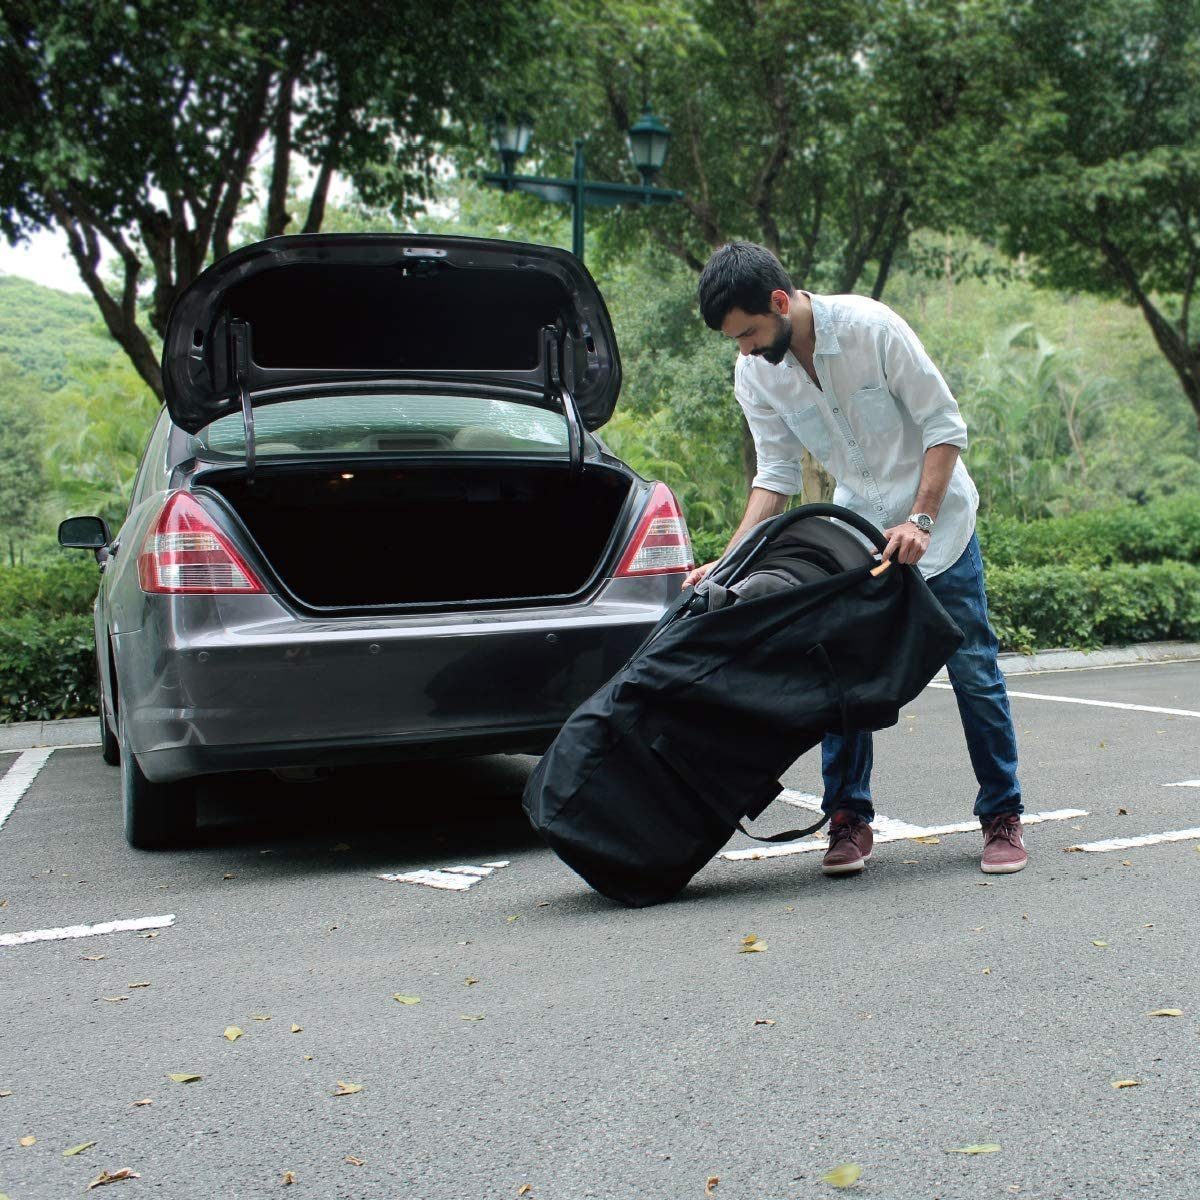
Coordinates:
[551,1045]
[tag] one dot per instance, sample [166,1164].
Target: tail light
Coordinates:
[661,542]
[186,554]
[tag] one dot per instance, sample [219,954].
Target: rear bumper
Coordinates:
[283,691]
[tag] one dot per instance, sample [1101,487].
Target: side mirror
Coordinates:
[84,533]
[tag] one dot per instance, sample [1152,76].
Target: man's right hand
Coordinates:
[694,577]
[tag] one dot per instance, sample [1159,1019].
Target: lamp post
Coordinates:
[648,140]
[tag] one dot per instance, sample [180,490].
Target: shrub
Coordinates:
[63,587]
[47,668]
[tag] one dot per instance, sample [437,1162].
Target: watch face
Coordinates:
[922,521]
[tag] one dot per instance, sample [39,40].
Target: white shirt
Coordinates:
[881,404]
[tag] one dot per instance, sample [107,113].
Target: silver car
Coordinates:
[373,520]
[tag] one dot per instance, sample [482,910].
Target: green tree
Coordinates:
[135,125]
[1093,167]
[22,479]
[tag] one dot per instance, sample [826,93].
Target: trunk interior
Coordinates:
[355,536]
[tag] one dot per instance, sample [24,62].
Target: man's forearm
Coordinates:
[936,470]
[761,505]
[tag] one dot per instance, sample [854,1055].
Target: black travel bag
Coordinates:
[798,631]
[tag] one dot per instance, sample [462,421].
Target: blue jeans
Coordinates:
[982,705]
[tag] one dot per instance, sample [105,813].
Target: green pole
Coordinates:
[577,212]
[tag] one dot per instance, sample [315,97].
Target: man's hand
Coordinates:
[698,574]
[906,542]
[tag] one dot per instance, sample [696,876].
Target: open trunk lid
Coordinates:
[291,315]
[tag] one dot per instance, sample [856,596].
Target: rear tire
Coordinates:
[157,815]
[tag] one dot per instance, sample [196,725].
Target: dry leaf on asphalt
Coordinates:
[114,999]
[77,1149]
[27,1141]
[185,1078]
[139,985]
[510,920]
[289,1177]
[843,1176]
[152,934]
[141,1103]
[259,1017]
[980,1148]
[470,1016]
[354,1162]
[1102,945]
[1122,812]
[711,1183]
[1166,1012]
[928,840]
[407,999]
[93,957]
[3,1094]
[347,1089]
[232,1033]
[297,1028]
[764,1021]
[308,1058]
[986,971]
[469,980]
[751,944]
[1124,1083]
[112,1177]
[229,875]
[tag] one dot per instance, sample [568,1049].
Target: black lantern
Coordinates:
[510,139]
[649,139]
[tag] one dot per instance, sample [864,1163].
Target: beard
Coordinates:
[779,345]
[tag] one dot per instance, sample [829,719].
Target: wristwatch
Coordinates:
[923,521]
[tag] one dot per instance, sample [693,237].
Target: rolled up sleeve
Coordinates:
[777,449]
[915,381]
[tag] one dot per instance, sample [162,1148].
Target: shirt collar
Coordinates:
[826,338]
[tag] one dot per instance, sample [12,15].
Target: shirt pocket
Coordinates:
[809,426]
[875,412]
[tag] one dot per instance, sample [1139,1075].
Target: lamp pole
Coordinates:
[649,139]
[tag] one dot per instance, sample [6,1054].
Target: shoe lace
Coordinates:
[1008,828]
[842,831]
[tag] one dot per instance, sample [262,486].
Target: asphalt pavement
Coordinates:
[562,1047]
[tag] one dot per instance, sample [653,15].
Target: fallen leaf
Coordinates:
[139,985]
[711,1183]
[27,1141]
[93,957]
[152,934]
[229,875]
[1126,863]
[114,999]
[341,846]
[308,1058]
[1124,1083]
[910,862]
[469,980]
[141,1103]
[764,1021]
[510,920]
[1166,1012]
[987,971]
[113,1177]
[407,999]
[347,1089]
[1102,945]
[259,1017]
[232,1033]
[928,840]
[3,1094]
[4,902]
[751,944]
[470,1016]
[977,928]
[354,1162]
[297,1028]
[843,1176]
[77,1149]
[182,1078]
[789,908]
[542,904]
[289,1177]
[981,1148]
[525,1189]
[1122,812]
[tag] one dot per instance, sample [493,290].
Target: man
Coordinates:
[845,378]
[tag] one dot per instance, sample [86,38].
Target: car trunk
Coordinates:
[355,536]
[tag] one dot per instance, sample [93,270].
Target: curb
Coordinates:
[75,731]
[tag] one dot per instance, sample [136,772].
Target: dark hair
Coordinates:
[741,275]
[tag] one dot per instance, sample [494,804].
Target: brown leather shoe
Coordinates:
[1003,846]
[850,842]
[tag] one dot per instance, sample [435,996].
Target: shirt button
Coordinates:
[852,444]
[837,410]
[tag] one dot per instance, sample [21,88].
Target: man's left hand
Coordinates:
[906,542]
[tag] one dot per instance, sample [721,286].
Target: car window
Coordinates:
[153,464]
[388,423]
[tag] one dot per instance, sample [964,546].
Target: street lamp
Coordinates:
[648,139]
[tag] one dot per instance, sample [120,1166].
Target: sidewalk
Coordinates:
[84,730]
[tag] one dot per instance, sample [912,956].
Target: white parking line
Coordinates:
[1173,712]
[889,830]
[1184,783]
[450,879]
[1149,839]
[78,931]
[19,776]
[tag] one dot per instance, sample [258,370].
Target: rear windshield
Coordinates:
[388,423]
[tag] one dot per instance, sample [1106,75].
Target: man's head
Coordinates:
[746,294]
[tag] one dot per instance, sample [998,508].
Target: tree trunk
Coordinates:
[816,484]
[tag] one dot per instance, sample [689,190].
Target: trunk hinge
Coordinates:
[558,391]
[239,357]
